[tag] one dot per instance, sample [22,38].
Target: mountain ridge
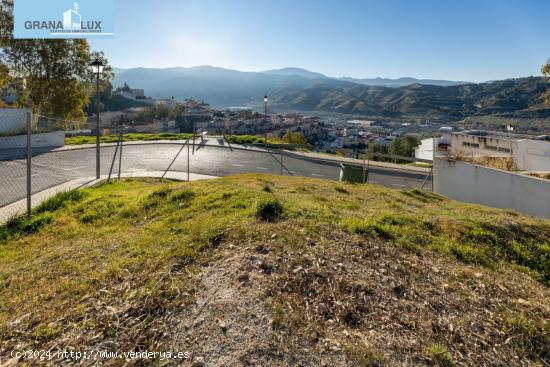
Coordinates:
[300,89]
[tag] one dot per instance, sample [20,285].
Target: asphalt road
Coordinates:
[53,168]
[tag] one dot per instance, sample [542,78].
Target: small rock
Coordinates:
[106,344]
[244,277]
[222,325]
[274,235]
[478,275]
[198,362]
[262,249]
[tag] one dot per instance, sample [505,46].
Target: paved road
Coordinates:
[56,167]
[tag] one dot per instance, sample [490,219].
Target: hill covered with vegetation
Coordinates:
[425,101]
[271,271]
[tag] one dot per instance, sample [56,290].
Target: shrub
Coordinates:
[269,210]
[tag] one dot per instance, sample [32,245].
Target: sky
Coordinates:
[466,40]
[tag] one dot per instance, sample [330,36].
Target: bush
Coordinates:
[269,210]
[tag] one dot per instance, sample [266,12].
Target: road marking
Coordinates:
[237,165]
[316,175]
[262,168]
[398,185]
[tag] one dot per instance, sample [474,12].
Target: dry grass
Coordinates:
[502,163]
[545,176]
[335,274]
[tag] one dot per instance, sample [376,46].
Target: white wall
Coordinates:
[533,155]
[426,149]
[13,119]
[476,184]
[47,140]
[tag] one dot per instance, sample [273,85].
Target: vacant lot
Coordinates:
[275,271]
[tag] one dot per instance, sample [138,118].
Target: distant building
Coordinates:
[137,94]
[425,150]
[529,153]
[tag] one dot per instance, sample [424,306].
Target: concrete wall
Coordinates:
[13,120]
[533,155]
[47,140]
[476,184]
[482,146]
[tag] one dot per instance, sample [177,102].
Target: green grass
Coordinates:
[233,139]
[252,139]
[79,140]
[138,245]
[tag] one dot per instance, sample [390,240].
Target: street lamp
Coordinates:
[97,68]
[265,121]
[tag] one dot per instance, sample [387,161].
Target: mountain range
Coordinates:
[300,89]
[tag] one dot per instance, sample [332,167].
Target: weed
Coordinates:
[182,198]
[439,353]
[21,225]
[341,190]
[269,210]
[60,201]
[362,356]
[366,228]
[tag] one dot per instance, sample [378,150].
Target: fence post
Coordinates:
[121,139]
[364,178]
[188,159]
[282,172]
[29,162]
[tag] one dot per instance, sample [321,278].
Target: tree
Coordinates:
[4,75]
[546,69]
[294,138]
[404,146]
[58,80]
[546,72]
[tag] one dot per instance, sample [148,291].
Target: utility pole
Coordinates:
[97,135]
[265,121]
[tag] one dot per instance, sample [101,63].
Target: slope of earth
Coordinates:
[275,271]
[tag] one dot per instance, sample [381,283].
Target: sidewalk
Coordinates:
[20,207]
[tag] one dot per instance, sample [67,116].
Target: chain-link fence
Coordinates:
[39,164]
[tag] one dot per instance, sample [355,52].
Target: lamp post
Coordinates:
[265,121]
[97,68]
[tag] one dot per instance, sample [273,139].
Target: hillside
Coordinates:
[422,101]
[276,271]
